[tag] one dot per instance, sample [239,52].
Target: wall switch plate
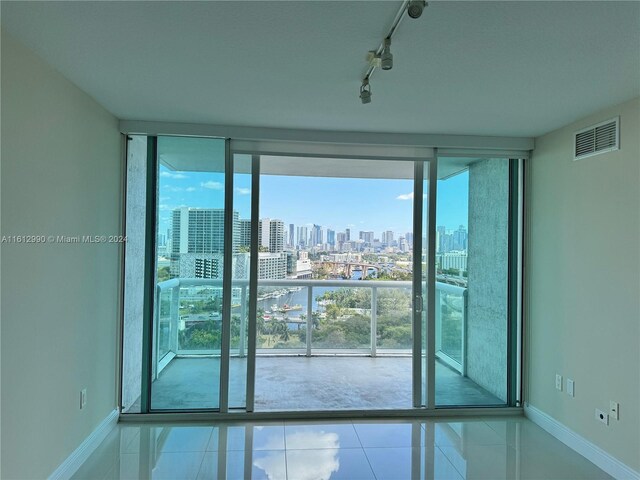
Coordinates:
[614,410]
[602,417]
[570,387]
[558,382]
[83,398]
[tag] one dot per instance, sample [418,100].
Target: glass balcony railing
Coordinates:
[451,324]
[304,317]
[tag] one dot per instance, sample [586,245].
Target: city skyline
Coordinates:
[377,205]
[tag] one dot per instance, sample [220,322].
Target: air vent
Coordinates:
[600,138]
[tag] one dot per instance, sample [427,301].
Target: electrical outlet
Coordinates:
[558,382]
[83,398]
[614,410]
[570,387]
[602,417]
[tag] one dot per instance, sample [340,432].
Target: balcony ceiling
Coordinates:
[483,68]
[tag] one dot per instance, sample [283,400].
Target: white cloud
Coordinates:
[190,189]
[178,176]
[405,196]
[211,185]
[243,191]
[172,188]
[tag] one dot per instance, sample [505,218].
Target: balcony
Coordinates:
[312,352]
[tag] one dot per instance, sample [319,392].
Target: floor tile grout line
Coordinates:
[373,472]
[204,454]
[357,434]
[449,460]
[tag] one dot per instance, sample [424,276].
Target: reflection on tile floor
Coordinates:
[489,448]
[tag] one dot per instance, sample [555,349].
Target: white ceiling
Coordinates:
[485,68]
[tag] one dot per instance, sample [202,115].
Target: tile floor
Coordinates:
[488,448]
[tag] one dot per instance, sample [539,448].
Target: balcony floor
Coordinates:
[316,383]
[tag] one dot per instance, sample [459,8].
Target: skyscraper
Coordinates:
[331,237]
[460,238]
[245,233]
[409,237]
[387,238]
[276,236]
[366,237]
[197,243]
[201,230]
[316,235]
[292,228]
[264,230]
[303,237]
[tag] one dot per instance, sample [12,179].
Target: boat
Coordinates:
[288,308]
[275,308]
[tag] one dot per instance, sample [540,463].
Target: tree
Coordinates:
[315,320]
[163,274]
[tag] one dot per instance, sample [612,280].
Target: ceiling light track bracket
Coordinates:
[382,56]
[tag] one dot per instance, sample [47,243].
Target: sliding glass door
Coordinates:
[334,284]
[473,267]
[189,268]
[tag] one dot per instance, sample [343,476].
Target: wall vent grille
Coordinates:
[596,139]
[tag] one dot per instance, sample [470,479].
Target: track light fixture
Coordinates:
[365,91]
[415,8]
[382,56]
[386,59]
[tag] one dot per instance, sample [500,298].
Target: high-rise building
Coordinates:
[245,233]
[402,244]
[197,243]
[316,235]
[201,230]
[440,231]
[271,234]
[387,238]
[348,234]
[366,237]
[302,237]
[292,229]
[409,237]
[264,232]
[460,238]
[272,265]
[331,237]
[276,236]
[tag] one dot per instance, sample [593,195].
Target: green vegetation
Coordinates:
[163,274]
[205,335]
[346,322]
[395,275]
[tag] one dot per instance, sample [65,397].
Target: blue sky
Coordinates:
[337,203]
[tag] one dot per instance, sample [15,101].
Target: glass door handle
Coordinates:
[418,304]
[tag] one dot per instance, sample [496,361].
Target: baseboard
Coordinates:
[584,447]
[86,448]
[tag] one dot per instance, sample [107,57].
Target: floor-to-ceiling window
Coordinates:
[189,258]
[472,277]
[335,269]
[301,282]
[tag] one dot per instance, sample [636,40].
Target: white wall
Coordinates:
[61,174]
[584,283]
